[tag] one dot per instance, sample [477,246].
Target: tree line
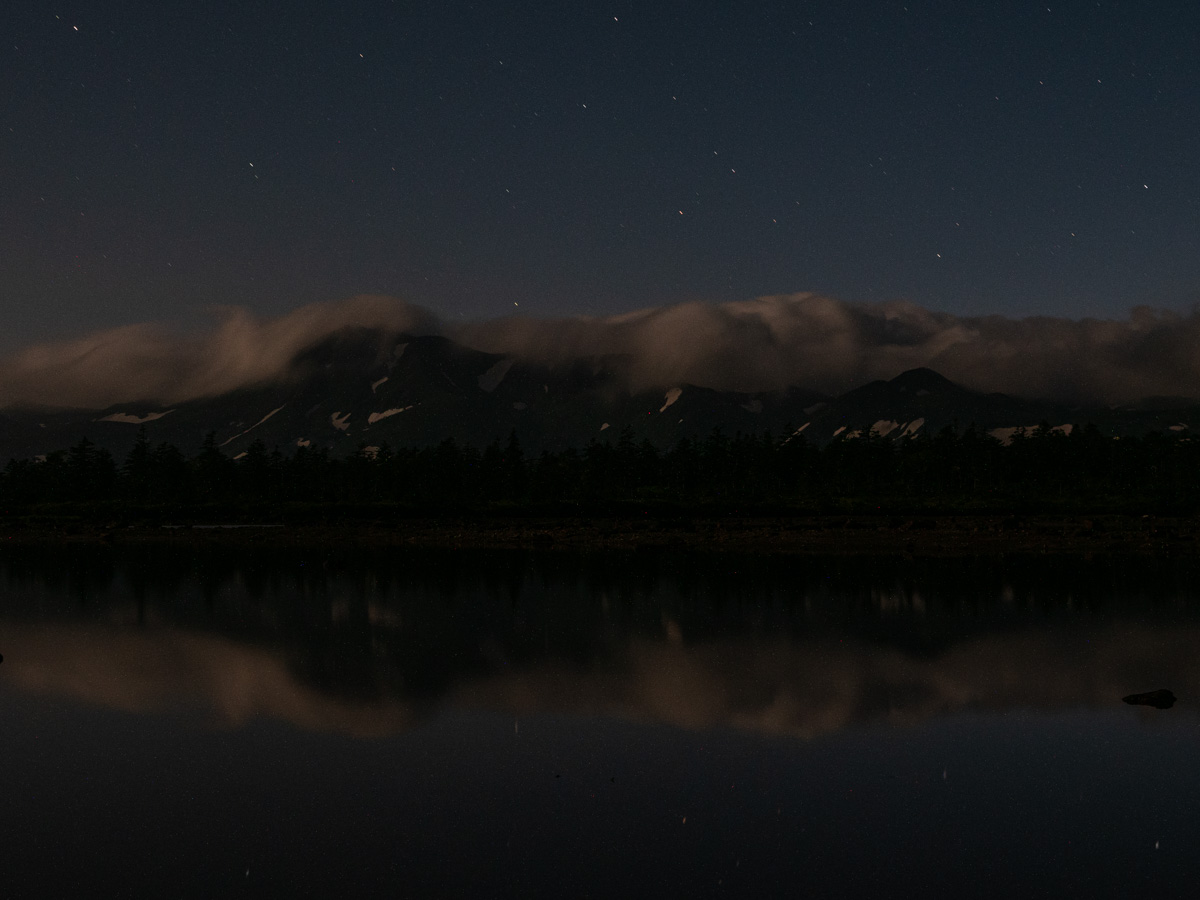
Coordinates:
[964,469]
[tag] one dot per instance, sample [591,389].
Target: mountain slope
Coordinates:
[367,388]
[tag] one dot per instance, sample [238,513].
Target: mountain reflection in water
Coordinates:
[209,723]
[368,644]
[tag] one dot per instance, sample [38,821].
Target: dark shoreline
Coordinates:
[929,535]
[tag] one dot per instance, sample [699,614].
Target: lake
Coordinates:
[182,721]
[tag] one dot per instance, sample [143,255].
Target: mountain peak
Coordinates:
[923,379]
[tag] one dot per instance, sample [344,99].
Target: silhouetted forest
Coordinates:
[1044,469]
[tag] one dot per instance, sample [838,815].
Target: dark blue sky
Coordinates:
[594,157]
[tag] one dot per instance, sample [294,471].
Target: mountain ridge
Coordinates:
[367,387]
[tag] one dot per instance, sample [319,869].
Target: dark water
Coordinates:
[190,723]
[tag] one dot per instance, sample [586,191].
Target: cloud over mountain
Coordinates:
[761,344]
[832,345]
[149,362]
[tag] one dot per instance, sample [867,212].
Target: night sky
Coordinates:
[973,157]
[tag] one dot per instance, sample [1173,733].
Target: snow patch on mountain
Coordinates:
[376,384]
[884,427]
[264,418]
[252,427]
[375,417]
[130,419]
[1005,435]
[605,425]
[839,431]
[1179,427]
[672,395]
[490,380]
[797,432]
[301,442]
[339,421]
[912,427]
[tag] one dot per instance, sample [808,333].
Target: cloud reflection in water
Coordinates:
[803,687]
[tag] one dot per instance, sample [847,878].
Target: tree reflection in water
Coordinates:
[371,641]
[204,722]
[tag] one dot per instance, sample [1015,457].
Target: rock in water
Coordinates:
[1160,699]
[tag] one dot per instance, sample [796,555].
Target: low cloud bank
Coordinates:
[149,362]
[830,345]
[762,344]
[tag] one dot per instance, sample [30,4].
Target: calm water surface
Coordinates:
[210,723]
